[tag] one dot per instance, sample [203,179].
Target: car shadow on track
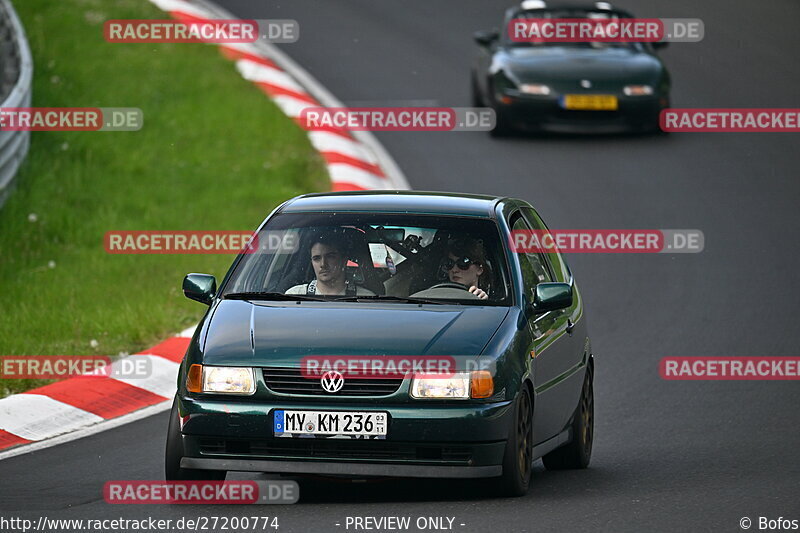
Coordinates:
[540,137]
[545,485]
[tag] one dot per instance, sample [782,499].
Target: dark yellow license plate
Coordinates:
[590,102]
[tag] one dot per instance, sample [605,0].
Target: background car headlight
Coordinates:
[638,90]
[535,88]
[459,385]
[221,379]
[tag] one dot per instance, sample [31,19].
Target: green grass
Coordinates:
[214,154]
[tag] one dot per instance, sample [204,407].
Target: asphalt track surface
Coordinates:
[668,456]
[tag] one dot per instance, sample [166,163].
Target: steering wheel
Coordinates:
[449,285]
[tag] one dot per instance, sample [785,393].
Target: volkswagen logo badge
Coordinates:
[586,84]
[332,381]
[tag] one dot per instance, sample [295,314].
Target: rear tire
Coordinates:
[578,452]
[518,457]
[175,452]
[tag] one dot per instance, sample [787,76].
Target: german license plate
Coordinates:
[349,423]
[590,102]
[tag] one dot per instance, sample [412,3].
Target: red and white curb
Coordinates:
[81,406]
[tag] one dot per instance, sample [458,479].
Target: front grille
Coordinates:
[342,449]
[291,381]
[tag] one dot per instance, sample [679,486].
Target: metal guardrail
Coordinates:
[16,75]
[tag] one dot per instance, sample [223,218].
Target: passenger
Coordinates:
[466,264]
[329,268]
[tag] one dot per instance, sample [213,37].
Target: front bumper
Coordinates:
[424,440]
[545,114]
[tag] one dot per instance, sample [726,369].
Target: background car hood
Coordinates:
[562,64]
[282,333]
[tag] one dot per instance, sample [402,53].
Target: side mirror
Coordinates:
[486,37]
[200,287]
[660,44]
[551,297]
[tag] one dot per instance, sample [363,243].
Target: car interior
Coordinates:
[390,261]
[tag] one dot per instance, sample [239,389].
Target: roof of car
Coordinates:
[569,6]
[396,202]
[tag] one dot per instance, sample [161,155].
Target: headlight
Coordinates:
[221,379]
[459,385]
[638,90]
[535,88]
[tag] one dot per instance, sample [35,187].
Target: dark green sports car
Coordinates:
[387,334]
[568,87]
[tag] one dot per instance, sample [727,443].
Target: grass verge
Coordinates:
[214,154]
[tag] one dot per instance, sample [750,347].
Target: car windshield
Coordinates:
[363,257]
[567,14]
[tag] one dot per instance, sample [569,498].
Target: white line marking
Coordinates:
[256,72]
[247,48]
[188,332]
[292,107]
[393,172]
[325,141]
[162,380]
[182,6]
[37,417]
[91,430]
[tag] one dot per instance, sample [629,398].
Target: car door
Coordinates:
[560,357]
[547,360]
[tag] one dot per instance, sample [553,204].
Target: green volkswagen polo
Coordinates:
[387,333]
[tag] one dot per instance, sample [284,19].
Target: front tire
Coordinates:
[175,452]
[578,452]
[502,127]
[475,93]
[518,457]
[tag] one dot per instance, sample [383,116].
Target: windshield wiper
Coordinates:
[271,296]
[405,299]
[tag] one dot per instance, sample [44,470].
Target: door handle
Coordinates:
[570,326]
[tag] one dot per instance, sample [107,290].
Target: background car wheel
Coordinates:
[174,454]
[475,98]
[518,458]
[578,452]
[502,127]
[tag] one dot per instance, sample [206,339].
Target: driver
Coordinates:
[466,264]
[329,268]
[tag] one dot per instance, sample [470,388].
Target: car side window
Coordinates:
[555,261]
[534,267]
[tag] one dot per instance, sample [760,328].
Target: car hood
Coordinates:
[277,333]
[563,64]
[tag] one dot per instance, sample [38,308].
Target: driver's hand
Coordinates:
[480,293]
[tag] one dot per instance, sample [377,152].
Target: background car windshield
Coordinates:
[383,255]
